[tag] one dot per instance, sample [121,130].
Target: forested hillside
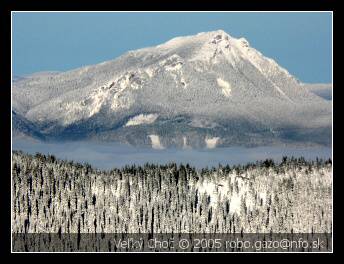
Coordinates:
[56,196]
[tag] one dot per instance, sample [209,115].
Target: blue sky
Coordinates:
[300,42]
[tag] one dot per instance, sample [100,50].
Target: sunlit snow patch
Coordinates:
[185,144]
[142,119]
[156,142]
[150,72]
[211,142]
[216,190]
[235,203]
[225,86]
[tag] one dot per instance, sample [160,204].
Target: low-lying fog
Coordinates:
[110,155]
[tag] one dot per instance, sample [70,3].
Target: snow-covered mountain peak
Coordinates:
[204,47]
[195,40]
[218,34]
[209,77]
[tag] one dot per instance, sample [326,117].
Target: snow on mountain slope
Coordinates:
[208,78]
[226,87]
[156,142]
[211,142]
[142,119]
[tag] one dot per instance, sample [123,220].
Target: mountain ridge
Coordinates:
[197,88]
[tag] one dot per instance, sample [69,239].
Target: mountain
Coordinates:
[323,90]
[22,128]
[205,90]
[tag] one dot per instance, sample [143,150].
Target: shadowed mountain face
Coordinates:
[205,90]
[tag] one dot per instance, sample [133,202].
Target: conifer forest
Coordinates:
[56,196]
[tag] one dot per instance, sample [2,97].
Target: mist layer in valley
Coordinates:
[110,155]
